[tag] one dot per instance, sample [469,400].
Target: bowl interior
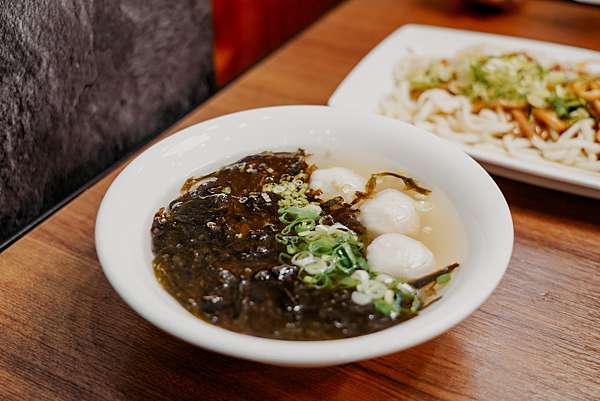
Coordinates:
[154,178]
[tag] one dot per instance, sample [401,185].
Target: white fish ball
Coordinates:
[337,181]
[400,256]
[390,211]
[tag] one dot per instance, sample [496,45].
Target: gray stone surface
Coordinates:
[84,81]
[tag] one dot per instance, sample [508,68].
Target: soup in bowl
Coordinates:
[304,235]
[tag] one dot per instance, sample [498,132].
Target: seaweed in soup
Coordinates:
[237,249]
[216,252]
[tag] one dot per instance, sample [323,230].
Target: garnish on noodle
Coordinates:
[512,102]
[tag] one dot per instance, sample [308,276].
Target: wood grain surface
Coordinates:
[66,335]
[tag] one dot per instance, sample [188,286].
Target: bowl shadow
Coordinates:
[550,204]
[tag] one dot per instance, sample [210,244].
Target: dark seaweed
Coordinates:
[409,183]
[216,253]
[430,278]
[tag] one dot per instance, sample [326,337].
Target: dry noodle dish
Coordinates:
[276,247]
[513,102]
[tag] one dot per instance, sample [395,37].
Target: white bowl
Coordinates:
[153,179]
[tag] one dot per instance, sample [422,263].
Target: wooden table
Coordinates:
[65,334]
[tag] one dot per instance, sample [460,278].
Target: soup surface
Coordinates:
[220,250]
[441,228]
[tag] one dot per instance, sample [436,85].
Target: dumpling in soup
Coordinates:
[400,256]
[390,211]
[337,181]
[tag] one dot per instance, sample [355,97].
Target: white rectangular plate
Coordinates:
[372,79]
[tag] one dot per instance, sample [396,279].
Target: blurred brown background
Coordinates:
[82,83]
[247,30]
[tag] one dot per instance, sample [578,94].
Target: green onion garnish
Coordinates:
[330,255]
[443,278]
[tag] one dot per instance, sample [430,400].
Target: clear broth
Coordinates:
[441,228]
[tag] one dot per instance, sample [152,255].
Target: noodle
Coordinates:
[493,128]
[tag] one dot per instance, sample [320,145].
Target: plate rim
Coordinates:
[545,170]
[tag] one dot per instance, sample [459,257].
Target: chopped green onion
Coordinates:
[348,282]
[443,278]
[362,263]
[383,307]
[416,304]
[330,255]
[284,258]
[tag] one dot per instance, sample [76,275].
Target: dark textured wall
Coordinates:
[82,82]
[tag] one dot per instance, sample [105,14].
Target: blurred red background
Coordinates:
[247,30]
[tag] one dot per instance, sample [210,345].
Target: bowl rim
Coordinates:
[287,352]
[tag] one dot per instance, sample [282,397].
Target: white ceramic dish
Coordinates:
[153,178]
[592,2]
[371,79]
